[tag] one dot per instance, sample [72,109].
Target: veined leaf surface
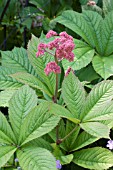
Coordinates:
[36,158]
[94,158]
[22,102]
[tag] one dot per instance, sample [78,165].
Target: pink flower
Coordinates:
[68,71]
[65,35]
[51,33]
[52,67]
[41,49]
[91,3]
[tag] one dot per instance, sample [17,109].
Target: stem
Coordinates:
[49,52]
[55,101]
[61,140]
[4,10]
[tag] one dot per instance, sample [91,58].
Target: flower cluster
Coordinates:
[52,67]
[58,164]
[63,47]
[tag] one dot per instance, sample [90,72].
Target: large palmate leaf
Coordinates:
[5,153]
[32,81]
[96,129]
[40,63]
[83,56]
[6,134]
[37,123]
[95,21]
[103,66]
[83,140]
[78,24]
[6,81]
[105,113]
[73,94]
[100,95]
[36,158]
[5,96]
[107,34]
[17,59]
[20,105]
[62,112]
[94,158]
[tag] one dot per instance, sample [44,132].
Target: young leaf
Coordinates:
[31,81]
[36,158]
[96,129]
[73,94]
[17,59]
[83,56]
[78,24]
[5,153]
[103,66]
[100,95]
[94,158]
[20,105]
[7,82]
[40,63]
[6,134]
[83,140]
[37,123]
[5,96]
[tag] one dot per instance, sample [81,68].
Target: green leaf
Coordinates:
[96,129]
[62,112]
[103,66]
[100,95]
[94,158]
[70,142]
[83,56]
[32,81]
[17,59]
[37,158]
[5,96]
[7,82]
[39,63]
[95,22]
[87,74]
[6,134]
[104,113]
[37,123]
[83,140]
[73,94]
[5,153]
[78,24]
[107,34]
[107,6]
[67,159]
[40,142]
[20,105]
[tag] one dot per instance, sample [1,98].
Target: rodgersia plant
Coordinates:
[66,120]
